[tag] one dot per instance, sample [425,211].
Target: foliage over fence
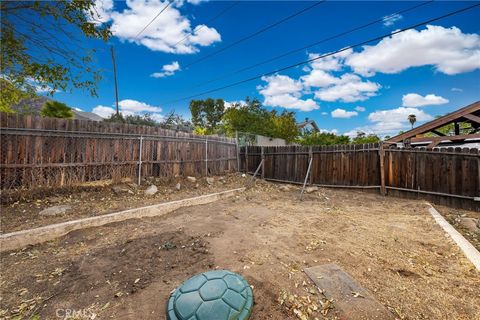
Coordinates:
[52,152]
[449,176]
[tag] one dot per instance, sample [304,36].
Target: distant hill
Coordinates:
[35,104]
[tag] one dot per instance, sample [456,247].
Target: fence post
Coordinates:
[237,149]
[381,152]
[310,159]
[263,163]
[140,160]
[206,157]
[246,158]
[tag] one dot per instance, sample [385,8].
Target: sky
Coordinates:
[190,49]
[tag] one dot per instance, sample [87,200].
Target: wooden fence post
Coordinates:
[263,163]
[381,152]
[310,157]
[206,157]
[237,149]
[140,160]
[246,158]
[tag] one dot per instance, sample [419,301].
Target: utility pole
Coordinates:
[115,77]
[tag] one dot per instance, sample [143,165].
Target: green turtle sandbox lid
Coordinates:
[211,295]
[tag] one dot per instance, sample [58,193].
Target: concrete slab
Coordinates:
[350,298]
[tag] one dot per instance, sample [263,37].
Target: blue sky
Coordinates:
[427,71]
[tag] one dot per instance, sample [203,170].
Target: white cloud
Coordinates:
[164,33]
[101,12]
[324,113]
[342,113]
[447,49]
[319,78]
[283,91]
[348,88]
[457,89]
[329,63]
[390,20]
[390,122]
[416,100]
[232,104]
[334,131]
[130,107]
[360,109]
[104,112]
[167,70]
[137,106]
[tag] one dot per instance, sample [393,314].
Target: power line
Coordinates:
[209,21]
[256,33]
[328,54]
[308,46]
[154,18]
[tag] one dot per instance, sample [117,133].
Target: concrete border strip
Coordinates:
[468,249]
[20,239]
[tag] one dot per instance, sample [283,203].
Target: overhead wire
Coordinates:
[154,18]
[341,34]
[328,54]
[256,33]
[209,21]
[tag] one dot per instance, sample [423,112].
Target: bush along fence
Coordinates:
[47,152]
[448,176]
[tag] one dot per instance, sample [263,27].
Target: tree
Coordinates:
[284,125]
[362,137]
[10,96]
[412,119]
[48,54]
[175,121]
[321,138]
[207,113]
[135,119]
[55,109]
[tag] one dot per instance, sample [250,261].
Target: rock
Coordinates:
[55,210]
[196,186]
[210,180]
[150,191]
[311,189]
[192,179]
[178,186]
[468,223]
[121,189]
[284,188]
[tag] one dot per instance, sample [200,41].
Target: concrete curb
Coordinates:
[468,249]
[20,239]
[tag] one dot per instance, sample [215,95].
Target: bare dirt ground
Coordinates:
[127,270]
[22,212]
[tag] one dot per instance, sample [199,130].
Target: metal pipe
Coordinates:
[253,177]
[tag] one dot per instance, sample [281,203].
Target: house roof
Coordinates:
[307,122]
[469,114]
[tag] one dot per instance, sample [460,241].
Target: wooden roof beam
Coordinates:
[472,117]
[437,123]
[446,138]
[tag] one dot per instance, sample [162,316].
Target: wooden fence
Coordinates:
[47,152]
[448,176]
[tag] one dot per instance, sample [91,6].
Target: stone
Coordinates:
[150,191]
[192,179]
[210,180]
[121,189]
[469,223]
[55,210]
[311,189]
[284,188]
[178,186]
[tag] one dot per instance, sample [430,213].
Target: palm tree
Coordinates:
[412,119]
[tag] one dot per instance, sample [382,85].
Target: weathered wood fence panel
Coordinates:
[448,176]
[47,152]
